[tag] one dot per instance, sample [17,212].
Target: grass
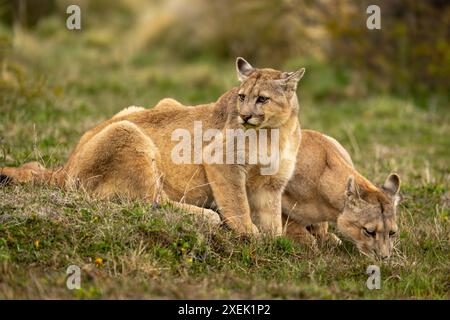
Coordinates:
[57,84]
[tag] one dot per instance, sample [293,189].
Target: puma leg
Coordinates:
[231,197]
[265,208]
[320,232]
[297,232]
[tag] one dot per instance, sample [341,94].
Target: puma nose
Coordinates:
[245,117]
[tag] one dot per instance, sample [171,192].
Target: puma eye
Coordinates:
[392,233]
[369,233]
[242,97]
[262,99]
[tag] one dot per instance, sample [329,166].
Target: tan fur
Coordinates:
[319,191]
[128,110]
[341,150]
[130,155]
[167,103]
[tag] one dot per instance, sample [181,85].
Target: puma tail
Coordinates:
[31,172]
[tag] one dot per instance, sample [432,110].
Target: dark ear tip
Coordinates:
[4,179]
[392,184]
[240,60]
[395,176]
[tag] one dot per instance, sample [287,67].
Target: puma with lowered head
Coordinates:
[325,187]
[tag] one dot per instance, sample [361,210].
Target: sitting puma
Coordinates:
[132,154]
[326,187]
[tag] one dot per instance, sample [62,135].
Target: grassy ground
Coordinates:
[56,84]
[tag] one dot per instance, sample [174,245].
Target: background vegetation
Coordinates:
[383,94]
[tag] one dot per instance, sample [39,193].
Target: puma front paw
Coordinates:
[212,217]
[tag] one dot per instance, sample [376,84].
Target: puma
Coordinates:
[326,187]
[129,155]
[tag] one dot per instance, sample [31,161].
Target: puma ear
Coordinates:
[351,190]
[243,69]
[291,79]
[392,186]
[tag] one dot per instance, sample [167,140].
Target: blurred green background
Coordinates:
[384,94]
[410,55]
